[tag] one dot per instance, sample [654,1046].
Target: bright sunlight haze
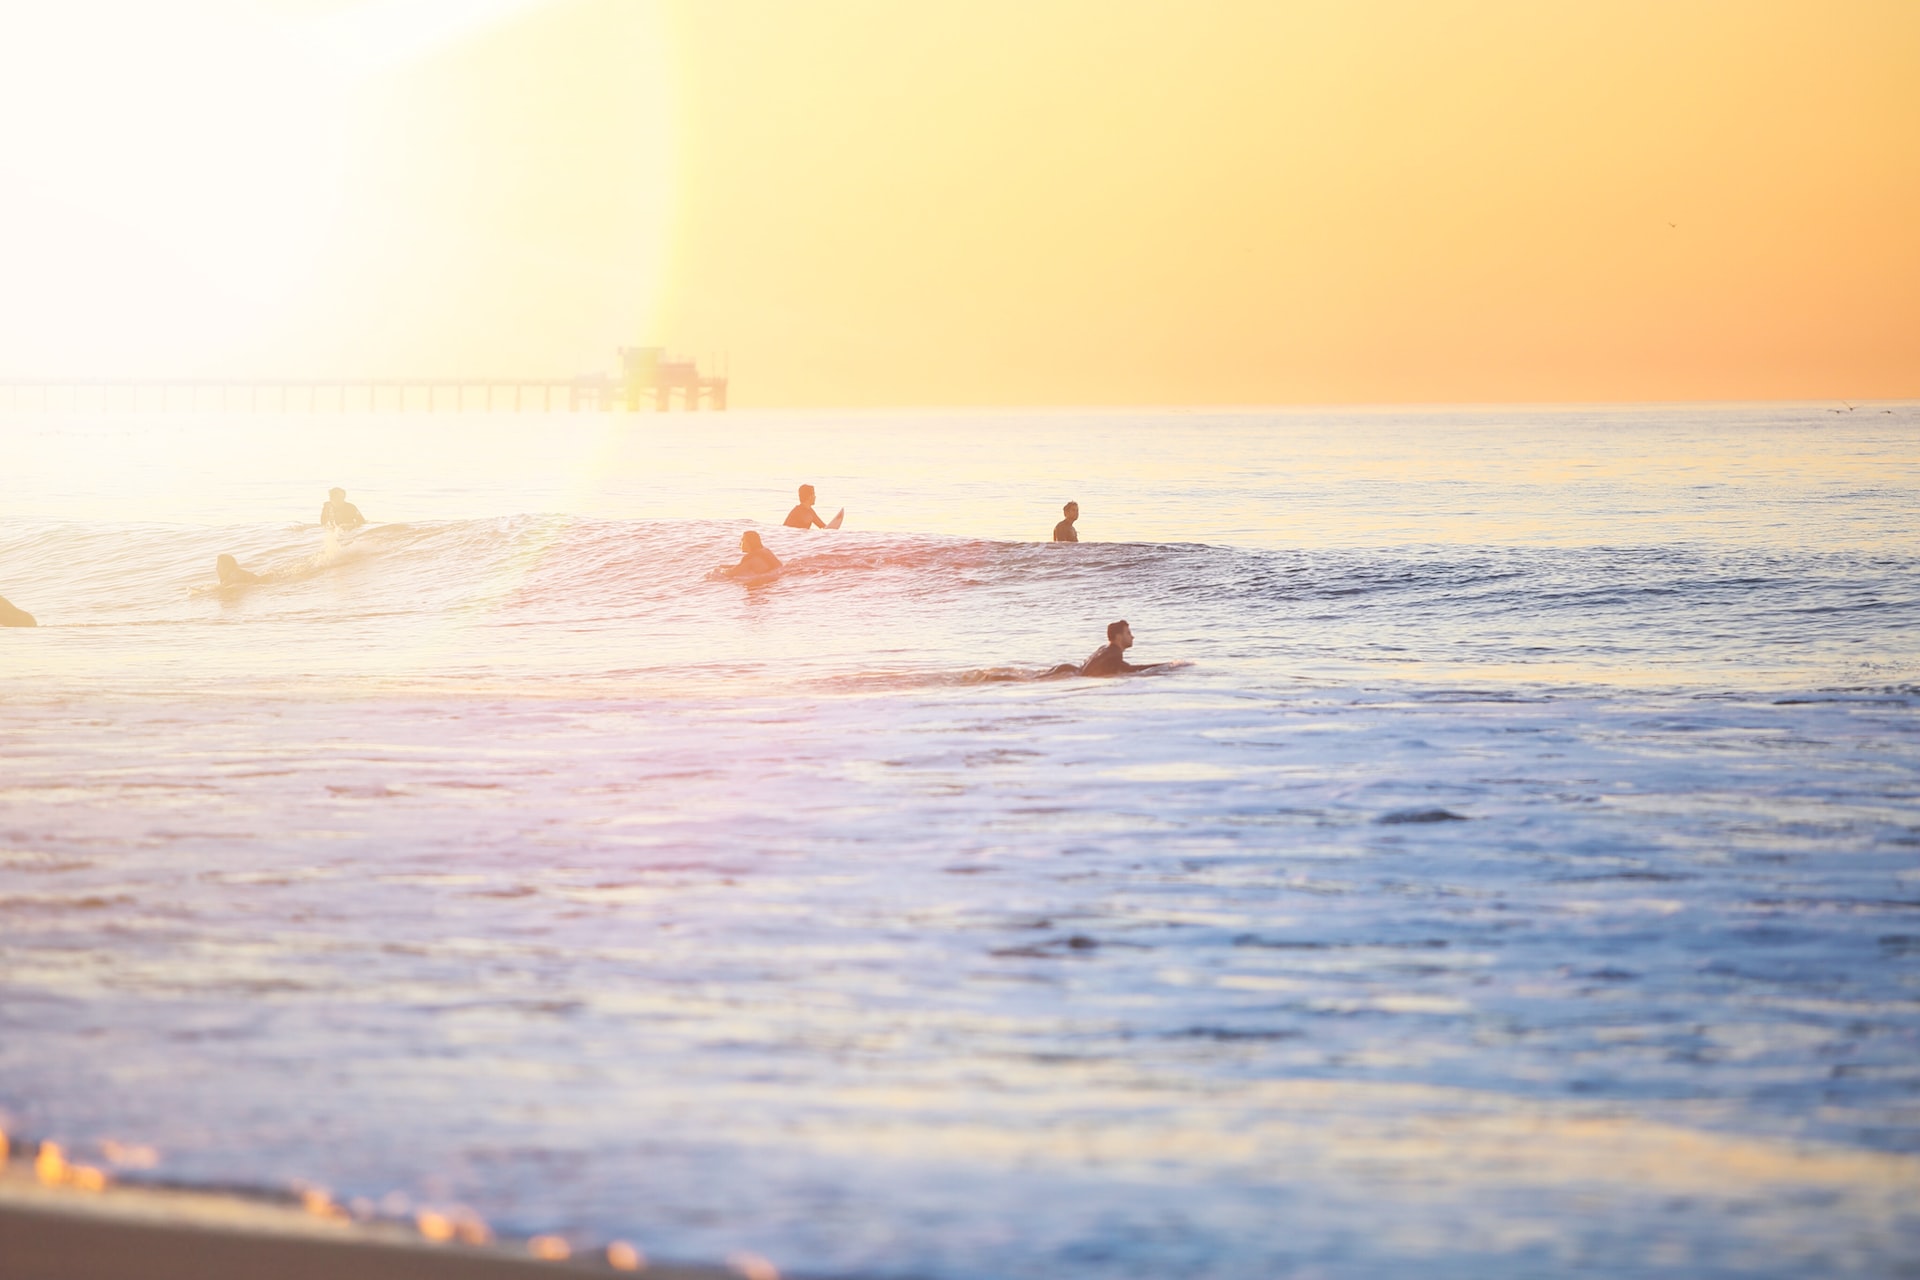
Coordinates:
[868,202]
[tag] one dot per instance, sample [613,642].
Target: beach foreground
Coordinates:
[165,1234]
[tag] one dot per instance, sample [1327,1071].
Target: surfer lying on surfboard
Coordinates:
[231,574]
[755,560]
[1109,659]
[805,517]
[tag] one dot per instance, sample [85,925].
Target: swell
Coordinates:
[534,568]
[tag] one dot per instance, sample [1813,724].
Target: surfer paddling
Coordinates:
[1110,658]
[231,574]
[338,513]
[803,516]
[755,560]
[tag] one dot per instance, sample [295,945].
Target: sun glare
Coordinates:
[382,34]
[202,189]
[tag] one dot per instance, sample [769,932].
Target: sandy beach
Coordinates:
[53,1233]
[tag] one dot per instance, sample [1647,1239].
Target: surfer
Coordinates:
[804,516]
[755,559]
[1109,659]
[1064,532]
[12,615]
[338,513]
[230,572]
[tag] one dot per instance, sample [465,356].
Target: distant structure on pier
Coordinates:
[646,369]
[647,380]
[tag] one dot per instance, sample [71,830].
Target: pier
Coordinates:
[647,380]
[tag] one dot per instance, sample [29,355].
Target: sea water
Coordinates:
[1522,878]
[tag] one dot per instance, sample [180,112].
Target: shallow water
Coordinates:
[1524,877]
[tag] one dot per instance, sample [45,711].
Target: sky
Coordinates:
[1043,202]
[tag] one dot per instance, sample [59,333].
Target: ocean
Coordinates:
[1520,878]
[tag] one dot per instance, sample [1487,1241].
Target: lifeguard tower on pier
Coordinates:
[647,370]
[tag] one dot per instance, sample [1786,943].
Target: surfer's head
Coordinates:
[338,495]
[1071,511]
[749,541]
[1119,634]
[806,495]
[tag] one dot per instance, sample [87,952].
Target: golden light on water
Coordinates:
[622,1256]
[459,1224]
[319,1202]
[53,1169]
[436,1227]
[50,1166]
[751,1266]
[550,1248]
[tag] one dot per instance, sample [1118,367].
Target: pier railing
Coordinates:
[649,382]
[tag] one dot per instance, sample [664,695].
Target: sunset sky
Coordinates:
[877,202]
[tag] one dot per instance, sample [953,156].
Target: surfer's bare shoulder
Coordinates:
[12,615]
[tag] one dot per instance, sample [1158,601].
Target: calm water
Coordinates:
[1523,879]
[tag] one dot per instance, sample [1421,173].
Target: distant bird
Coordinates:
[1674,225]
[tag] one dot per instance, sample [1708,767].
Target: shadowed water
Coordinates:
[1524,877]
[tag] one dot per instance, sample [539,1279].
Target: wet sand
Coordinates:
[123,1232]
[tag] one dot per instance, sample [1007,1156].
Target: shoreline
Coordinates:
[119,1231]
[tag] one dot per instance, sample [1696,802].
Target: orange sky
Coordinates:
[1045,202]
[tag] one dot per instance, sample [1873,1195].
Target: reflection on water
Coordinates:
[1521,881]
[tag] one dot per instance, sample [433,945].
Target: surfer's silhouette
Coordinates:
[231,574]
[755,559]
[11,615]
[338,513]
[1064,531]
[804,516]
[1109,659]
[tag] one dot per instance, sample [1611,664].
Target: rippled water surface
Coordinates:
[1522,879]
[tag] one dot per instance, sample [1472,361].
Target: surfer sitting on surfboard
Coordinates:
[755,559]
[338,513]
[1064,531]
[805,517]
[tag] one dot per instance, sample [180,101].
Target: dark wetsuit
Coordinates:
[341,515]
[1107,660]
[232,575]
